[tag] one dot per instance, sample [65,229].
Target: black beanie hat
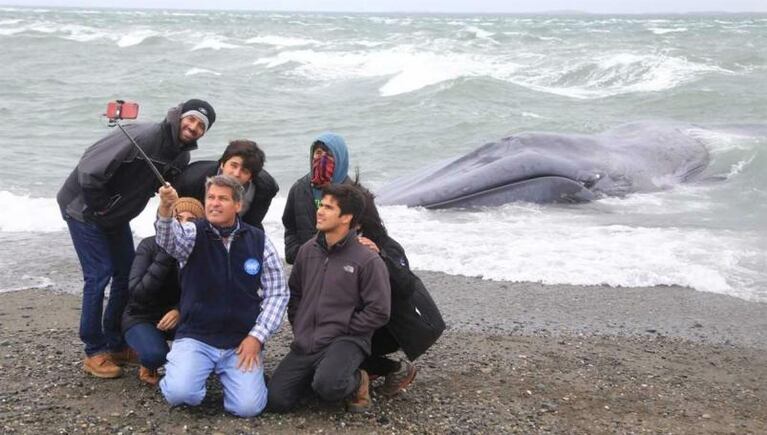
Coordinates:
[201,110]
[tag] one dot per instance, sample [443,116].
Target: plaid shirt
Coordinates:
[178,240]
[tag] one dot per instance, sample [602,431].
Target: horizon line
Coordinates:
[339,11]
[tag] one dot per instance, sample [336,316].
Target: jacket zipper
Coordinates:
[319,298]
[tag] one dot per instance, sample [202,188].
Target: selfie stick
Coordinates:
[116,121]
[143,154]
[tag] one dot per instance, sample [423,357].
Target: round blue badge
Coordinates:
[252,266]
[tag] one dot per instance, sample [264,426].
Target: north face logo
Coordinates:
[349,268]
[203,111]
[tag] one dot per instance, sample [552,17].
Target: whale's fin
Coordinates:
[539,190]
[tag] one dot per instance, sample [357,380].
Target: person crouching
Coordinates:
[151,316]
[340,295]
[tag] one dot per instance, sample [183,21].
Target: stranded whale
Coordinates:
[550,167]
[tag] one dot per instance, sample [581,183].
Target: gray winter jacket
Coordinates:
[340,292]
[112,183]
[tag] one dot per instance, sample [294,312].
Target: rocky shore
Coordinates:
[516,358]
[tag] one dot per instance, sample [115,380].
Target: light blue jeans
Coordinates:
[190,362]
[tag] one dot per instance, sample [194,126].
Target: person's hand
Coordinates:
[168,197]
[364,241]
[169,320]
[248,354]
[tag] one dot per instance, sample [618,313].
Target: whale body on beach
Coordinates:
[552,167]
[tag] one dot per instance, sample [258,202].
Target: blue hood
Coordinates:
[337,147]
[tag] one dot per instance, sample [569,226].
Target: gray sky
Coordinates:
[506,6]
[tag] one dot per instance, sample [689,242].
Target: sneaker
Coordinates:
[361,400]
[125,356]
[396,382]
[101,366]
[149,376]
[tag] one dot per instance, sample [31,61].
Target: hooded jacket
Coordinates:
[112,183]
[299,217]
[337,292]
[191,182]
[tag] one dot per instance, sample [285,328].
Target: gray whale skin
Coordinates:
[549,167]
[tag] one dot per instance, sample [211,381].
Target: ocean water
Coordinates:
[407,91]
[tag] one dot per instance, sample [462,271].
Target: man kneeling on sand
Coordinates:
[233,298]
[340,295]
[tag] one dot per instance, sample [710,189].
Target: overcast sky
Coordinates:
[505,6]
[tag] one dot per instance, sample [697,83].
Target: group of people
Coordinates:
[213,284]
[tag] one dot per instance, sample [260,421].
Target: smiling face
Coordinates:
[220,207]
[329,217]
[190,129]
[235,168]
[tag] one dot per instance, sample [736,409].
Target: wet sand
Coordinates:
[516,358]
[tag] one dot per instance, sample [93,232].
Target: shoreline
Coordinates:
[531,358]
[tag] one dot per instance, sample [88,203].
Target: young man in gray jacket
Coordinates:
[339,295]
[110,186]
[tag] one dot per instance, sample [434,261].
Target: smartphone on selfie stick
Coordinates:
[118,110]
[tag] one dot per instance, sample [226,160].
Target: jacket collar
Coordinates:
[323,244]
[213,231]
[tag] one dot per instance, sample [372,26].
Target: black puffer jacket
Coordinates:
[415,321]
[153,285]
[300,216]
[112,183]
[191,182]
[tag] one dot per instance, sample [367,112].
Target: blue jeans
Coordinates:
[190,362]
[149,343]
[105,254]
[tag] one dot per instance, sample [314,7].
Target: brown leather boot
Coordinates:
[149,376]
[397,381]
[360,402]
[125,356]
[101,366]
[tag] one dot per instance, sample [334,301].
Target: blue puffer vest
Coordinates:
[220,299]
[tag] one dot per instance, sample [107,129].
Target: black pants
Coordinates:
[331,373]
[377,363]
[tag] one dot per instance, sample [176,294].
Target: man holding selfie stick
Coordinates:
[111,185]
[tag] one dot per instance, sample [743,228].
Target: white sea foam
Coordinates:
[214,43]
[30,282]
[531,115]
[663,31]
[12,31]
[23,213]
[614,74]
[519,244]
[522,242]
[479,33]
[411,69]
[738,168]
[135,38]
[719,142]
[281,41]
[195,71]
